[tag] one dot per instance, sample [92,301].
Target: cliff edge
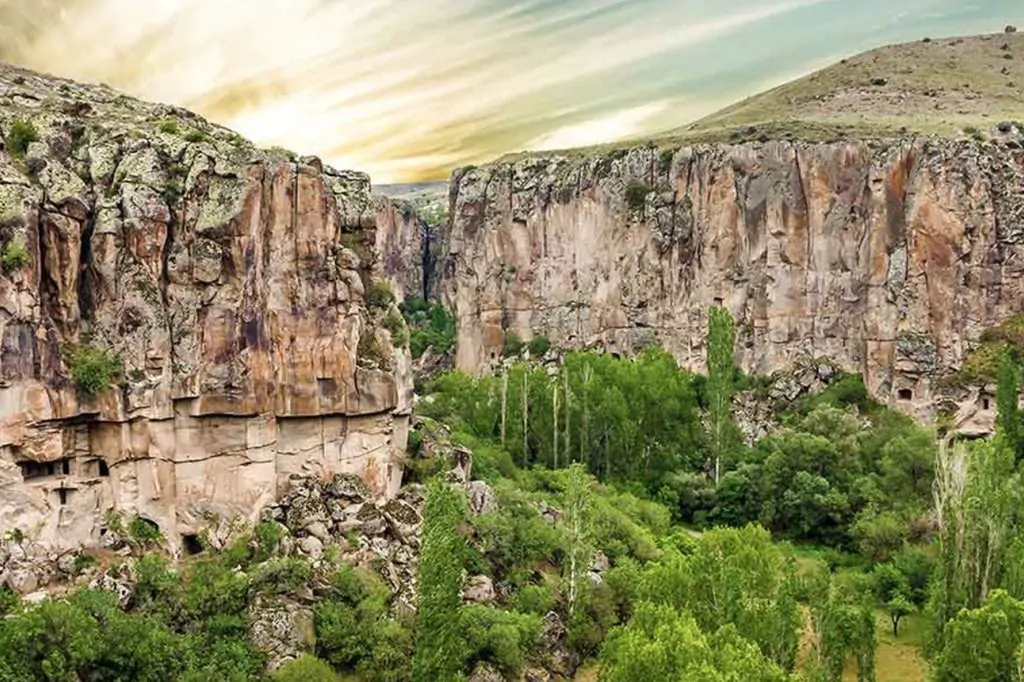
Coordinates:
[185,321]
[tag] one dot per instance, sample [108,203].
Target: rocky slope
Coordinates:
[186,321]
[891,258]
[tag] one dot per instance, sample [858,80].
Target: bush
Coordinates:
[502,638]
[169,126]
[144,531]
[536,599]
[636,194]
[512,346]
[21,134]
[539,346]
[305,669]
[14,257]
[94,369]
[396,326]
[196,136]
[379,296]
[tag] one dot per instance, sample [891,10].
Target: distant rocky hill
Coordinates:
[185,321]
[872,213]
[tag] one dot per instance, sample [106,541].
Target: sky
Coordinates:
[407,90]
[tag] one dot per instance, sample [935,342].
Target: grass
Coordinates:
[19,136]
[897,660]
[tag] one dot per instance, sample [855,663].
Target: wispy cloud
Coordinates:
[404,89]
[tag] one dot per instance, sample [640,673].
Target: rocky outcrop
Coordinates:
[889,258]
[408,246]
[184,320]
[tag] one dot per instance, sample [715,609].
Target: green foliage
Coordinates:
[434,215]
[14,257]
[396,326]
[430,326]
[879,535]
[1008,416]
[734,577]
[539,346]
[144,531]
[660,643]
[281,575]
[20,135]
[512,346]
[722,432]
[535,599]
[636,194]
[195,136]
[379,296]
[305,669]
[983,645]
[94,369]
[515,537]
[438,652]
[502,638]
[170,126]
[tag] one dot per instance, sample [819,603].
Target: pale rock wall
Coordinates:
[890,258]
[229,281]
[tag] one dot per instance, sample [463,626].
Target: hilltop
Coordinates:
[945,87]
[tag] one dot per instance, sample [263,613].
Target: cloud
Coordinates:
[404,89]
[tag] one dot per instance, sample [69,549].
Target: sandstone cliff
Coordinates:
[891,258]
[231,287]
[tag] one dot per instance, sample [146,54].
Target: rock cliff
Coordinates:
[889,257]
[185,321]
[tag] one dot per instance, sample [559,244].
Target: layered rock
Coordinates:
[890,258]
[229,285]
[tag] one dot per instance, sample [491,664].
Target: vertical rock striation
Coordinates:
[889,257]
[229,284]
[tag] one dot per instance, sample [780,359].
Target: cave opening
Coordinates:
[906,394]
[191,543]
[104,469]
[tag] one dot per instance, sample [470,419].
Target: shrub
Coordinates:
[169,126]
[143,530]
[636,194]
[539,346]
[281,575]
[306,668]
[14,257]
[196,136]
[512,346]
[94,369]
[21,134]
[536,599]
[379,296]
[396,326]
[499,637]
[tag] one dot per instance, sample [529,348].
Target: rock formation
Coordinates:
[890,258]
[185,321]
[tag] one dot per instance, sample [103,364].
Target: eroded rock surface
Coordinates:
[228,283]
[889,258]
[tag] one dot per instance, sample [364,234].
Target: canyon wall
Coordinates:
[891,258]
[184,320]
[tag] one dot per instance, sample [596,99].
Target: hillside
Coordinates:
[943,87]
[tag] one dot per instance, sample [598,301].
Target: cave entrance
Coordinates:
[906,394]
[191,544]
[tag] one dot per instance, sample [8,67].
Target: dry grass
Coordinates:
[940,87]
[897,660]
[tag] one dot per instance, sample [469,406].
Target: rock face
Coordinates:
[408,246]
[228,287]
[889,258]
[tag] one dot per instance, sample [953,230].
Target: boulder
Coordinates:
[479,589]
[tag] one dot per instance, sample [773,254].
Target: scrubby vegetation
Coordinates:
[430,326]
[14,257]
[94,369]
[20,135]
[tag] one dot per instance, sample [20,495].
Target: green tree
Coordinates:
[1007,404]
[438,652]
[983,644]
[577,525]
[305,669]
[721,342]
[661,643]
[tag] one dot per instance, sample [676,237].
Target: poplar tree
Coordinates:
[721,341]
[438,651]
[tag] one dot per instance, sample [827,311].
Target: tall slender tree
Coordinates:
[1007,405]
[577,519]
[721,341]
[438,654]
